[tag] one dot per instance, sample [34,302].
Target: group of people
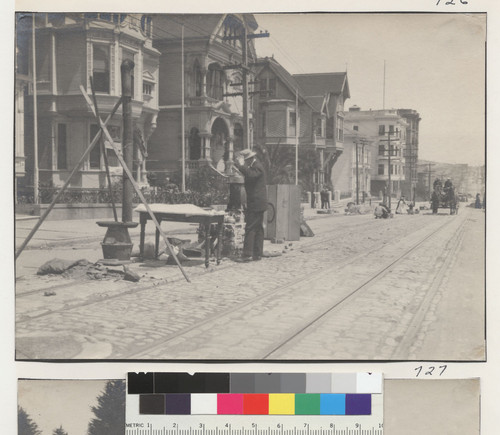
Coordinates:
[324,196]
[402,207]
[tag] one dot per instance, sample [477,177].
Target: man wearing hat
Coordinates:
[255,186]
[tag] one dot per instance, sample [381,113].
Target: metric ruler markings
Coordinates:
[340,430]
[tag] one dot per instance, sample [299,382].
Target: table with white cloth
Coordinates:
[183,213]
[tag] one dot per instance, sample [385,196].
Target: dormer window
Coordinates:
[268,86]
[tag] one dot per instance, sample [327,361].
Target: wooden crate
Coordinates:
[282,220]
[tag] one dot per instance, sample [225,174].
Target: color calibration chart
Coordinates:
[254,403]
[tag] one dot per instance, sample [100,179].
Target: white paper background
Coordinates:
[490,382]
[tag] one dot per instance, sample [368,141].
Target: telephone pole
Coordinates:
[389,190]
[36,195]
[430,189]
[357,174]
[244,37]
[246,121]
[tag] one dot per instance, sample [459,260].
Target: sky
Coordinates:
[434,63]
[53,403]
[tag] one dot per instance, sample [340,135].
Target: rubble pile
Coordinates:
[84,269]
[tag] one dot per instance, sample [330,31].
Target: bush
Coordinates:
[204,188]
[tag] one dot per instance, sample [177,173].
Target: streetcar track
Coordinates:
[218,315]
[403,347]
[371,281]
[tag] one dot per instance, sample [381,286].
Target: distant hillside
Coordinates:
[467,179]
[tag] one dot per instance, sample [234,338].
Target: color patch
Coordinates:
[256,404]
[186,383]
[217,383]
[358,404]
[332,404]
[230,404]
[293,383]
[178,404]
[318,383]
[242,383]
[369,383]
[344,383]
[150,404]
[307,404]
[281,404]
[267,383]
[140,383]
[203,404]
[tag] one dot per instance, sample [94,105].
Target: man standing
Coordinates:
[255,186]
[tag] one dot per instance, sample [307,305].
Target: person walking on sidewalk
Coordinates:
[255,186]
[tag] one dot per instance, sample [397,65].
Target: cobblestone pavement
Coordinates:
[236,311]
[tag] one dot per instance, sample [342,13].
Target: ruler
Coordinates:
[290,428]
[137,424]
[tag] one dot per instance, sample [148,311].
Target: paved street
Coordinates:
[362,288]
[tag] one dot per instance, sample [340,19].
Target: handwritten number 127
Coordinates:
[452,2]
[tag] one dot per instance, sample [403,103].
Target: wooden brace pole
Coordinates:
[63,188]
[135,185]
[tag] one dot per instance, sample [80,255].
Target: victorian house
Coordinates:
[327,92]
[72,48]
[319,99]
[22,82]
[207,48]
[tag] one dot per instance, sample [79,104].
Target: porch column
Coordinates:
[204,82]
[229,162]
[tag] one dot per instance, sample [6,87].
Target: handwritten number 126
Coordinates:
[452,2]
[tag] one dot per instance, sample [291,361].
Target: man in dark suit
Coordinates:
[255,186]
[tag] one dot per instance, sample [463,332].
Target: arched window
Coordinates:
[100,69]
[194,144]
[215,81]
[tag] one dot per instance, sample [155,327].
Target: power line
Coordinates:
[287,56]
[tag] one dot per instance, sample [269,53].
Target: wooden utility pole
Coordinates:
[357,174]
[430,188]
[363,166]
[389,190]
[296,137]
[183,139]
[128,137]
[244,37]
[246,121]
[35,117]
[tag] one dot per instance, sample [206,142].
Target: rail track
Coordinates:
[402,349]
[142,352]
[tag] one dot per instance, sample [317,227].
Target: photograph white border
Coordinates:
[11,370]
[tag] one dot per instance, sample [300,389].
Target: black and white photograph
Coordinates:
[250,187]
[70,407]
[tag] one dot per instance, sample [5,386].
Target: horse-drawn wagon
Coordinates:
[444,197]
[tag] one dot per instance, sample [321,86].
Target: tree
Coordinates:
[25,425]
[110,410]
[59,431]
[279,164]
